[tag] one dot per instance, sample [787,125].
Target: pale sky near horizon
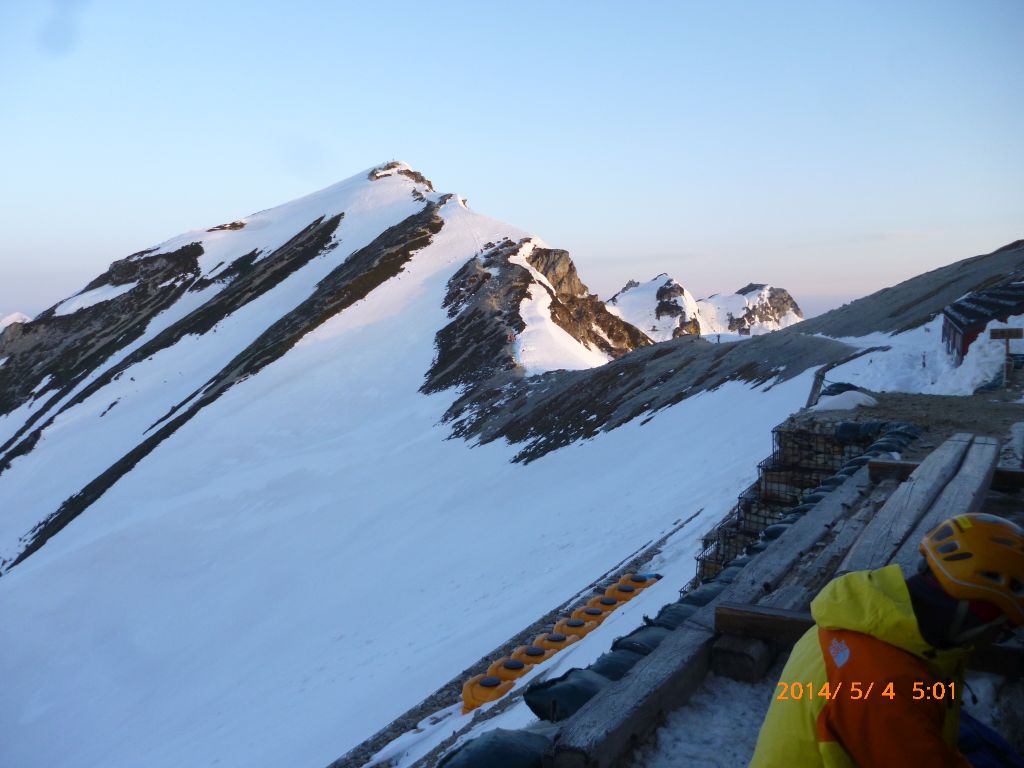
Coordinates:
[831,148]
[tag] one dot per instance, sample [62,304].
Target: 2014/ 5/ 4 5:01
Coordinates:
[857,691]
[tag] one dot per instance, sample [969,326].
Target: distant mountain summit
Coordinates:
[14,317]
[663,309]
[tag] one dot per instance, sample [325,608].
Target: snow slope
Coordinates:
[917,361]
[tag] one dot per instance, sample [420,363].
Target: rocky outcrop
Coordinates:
[767,307]
[661,308]
[483,299]
[581,313]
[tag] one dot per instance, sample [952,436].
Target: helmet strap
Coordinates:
[961,631]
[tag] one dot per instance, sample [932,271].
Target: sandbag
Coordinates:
[703,594]
[642,640]
[557,699]
[500,748]
[728,575]
[615,664]
[850,432]
[816,495]
[673,615]
[910,430]
[772,532]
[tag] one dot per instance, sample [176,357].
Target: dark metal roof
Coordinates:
[981,307]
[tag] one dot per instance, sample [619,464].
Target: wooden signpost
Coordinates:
[1006,334]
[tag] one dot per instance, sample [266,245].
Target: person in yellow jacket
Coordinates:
[878,680]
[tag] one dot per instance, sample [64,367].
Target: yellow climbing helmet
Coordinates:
[979,557]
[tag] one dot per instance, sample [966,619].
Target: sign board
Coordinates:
[1006,333]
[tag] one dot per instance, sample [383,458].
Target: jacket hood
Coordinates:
[877,603]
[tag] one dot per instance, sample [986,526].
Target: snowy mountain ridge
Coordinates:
[663,309]
[250,291]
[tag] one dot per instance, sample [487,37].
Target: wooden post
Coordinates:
[1006,334]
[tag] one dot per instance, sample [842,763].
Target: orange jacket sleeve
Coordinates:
[891,724]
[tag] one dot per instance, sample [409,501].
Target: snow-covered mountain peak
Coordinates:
[14,317]
[663,309]
[165,332]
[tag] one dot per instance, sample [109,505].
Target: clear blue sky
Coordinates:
[828,147]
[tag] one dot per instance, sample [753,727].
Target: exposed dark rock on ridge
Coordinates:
[396,167]
[483,299]
[578,311]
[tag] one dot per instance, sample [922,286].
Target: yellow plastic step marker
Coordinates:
[590,614]
[554,641]
[531,654]
[622,592]
[507,668]
[603,603]
[637,581]
[481,689]
[578,627]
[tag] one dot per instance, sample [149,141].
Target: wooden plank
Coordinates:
[764,574]
[907,505]
[607,727]
[778,626]
[784,628]
[965,493]
[1004,478]
[807,579]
